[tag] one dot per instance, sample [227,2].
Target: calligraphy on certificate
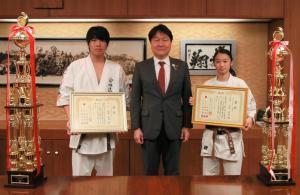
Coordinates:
[98,113]
[220,106]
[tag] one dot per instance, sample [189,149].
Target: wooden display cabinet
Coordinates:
[56,154]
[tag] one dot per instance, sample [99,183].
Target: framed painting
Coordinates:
[198,54]
[53,56]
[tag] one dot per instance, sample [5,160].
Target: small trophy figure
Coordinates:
[24,164]
[275,164]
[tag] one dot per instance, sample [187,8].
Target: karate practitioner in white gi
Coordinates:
[215,148]
[92,74]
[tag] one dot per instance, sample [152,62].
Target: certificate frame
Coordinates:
[209,106]
[98,112]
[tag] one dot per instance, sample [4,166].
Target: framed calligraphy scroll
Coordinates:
[198,54]
[220,106]
[98,112]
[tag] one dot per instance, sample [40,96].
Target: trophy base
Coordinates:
[281,177]
[24,179]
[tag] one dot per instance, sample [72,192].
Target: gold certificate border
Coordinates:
[238,115]
[87,115]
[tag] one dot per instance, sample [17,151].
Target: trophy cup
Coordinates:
[275,165]
[24,164]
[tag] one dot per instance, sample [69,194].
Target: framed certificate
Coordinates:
[220,106]
[98,112]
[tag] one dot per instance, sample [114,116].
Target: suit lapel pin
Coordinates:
[175,66]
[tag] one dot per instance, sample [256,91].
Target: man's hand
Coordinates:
[191,101]
[185,134]
[138,136]
[248,124]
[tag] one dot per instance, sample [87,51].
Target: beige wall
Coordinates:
[250,63]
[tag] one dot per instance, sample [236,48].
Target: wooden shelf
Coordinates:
[56,153]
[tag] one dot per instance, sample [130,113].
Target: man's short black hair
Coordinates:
[160,28]
[97,32]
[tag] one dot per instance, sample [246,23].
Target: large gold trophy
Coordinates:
[24,164]
[275,165]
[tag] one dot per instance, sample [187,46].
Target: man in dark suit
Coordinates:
[160,109]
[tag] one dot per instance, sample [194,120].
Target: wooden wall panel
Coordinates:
[91,9]
[47,158]
[190,159]
[166,8]
[13,8]
[2,153]
[292,29]
[62,157]
[46,4]
[245,8]
[56,154]
[128,156]
[136,164]
[252,143]
[143,8]
[121,159]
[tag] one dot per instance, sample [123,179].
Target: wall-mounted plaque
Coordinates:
[220,106]
[98,112]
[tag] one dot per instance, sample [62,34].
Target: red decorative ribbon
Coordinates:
[29,31]
[292,111]
[292,117]
[16,28]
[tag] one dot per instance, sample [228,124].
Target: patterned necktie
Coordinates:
[161,77]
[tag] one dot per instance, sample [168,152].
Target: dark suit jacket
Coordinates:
[149,107]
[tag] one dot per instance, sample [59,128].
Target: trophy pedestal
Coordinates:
[281,177]
[24,179]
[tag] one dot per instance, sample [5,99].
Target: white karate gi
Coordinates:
[80,76]
[232,163]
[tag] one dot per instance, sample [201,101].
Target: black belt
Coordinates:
[79,144]
[225,130]
[108,141]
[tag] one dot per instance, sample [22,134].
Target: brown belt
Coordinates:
[227,131]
